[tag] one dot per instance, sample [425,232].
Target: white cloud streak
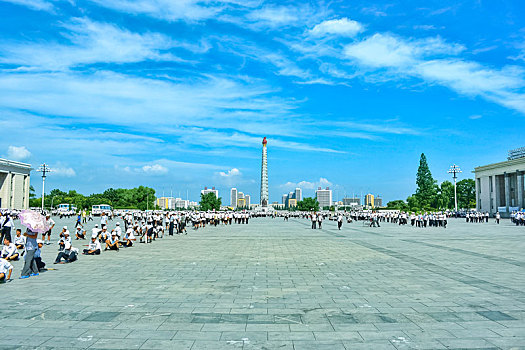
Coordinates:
[18,153]
[90,42]
[38,5]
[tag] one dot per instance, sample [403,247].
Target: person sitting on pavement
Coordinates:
[129,238]
[95,231]
[20,241]
[64,238]
[80,233]
[104,234]
[112,242]
[117,230]
[38,256]
[5,270]
[9,251]
[93,248]
[69,254]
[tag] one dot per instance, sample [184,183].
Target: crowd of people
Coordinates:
[133,227]
[129,229]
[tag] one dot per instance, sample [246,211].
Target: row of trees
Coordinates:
[120,198]
[431,196]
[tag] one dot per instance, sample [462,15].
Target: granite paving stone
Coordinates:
[280,285]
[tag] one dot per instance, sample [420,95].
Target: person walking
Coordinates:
[30,267]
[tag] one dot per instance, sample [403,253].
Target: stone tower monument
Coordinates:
[264,176]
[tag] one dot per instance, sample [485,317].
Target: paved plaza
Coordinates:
[280,285]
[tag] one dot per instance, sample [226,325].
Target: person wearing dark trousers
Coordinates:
[6,222]
[93,248]
[30,267]
[68,254]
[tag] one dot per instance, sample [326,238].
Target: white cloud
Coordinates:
[174,10]
[63,171]
[230,173]
[475,117]
[340,27]
[430,60]
[91,42]
[386,50]
[155,169]
[307,185]
[18,153]
[39,5]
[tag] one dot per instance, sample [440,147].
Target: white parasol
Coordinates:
[34,221]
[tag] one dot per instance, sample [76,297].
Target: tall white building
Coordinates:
[233,198]
[206,190]
[247,200]
[298,194]
[324,197]
[14,184]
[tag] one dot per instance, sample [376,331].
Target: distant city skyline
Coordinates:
[178,95]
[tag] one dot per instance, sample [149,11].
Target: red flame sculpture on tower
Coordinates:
[264,141]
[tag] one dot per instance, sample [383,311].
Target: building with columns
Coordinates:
[500,186]
[14,184]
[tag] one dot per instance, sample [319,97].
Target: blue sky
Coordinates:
[177,95]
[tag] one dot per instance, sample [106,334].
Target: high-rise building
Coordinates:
[264,175]
[240,200]
[166,202]
[324,197]
[247,201]
[284,199]
[213,190]
[298,194]
[292,203]
[347,202]
[182,203]
[233,198]
[378,202]
[369,200]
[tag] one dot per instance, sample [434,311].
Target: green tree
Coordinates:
[445,197]
[209,202]
[426,185]
[308,204]
[466,189]
[397,204]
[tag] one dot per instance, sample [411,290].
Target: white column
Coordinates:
[507,192]
[9,189]
[520,188]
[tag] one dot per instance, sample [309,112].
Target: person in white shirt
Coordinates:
[95,231]
[104,234]
[51,225]
[94,247]
[38,255]
[6,223]
[80,233]
[5,270]
[314,221]
[103,220]
[64,238]
[20,241]
[9,251]
[112,242]
[117,230]
[130,237]
[69,254]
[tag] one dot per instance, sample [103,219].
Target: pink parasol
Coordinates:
[34,221]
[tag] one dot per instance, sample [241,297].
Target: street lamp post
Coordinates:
[454,170]
[44,169]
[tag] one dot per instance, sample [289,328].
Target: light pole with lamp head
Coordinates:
[454,170]
[44,169]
